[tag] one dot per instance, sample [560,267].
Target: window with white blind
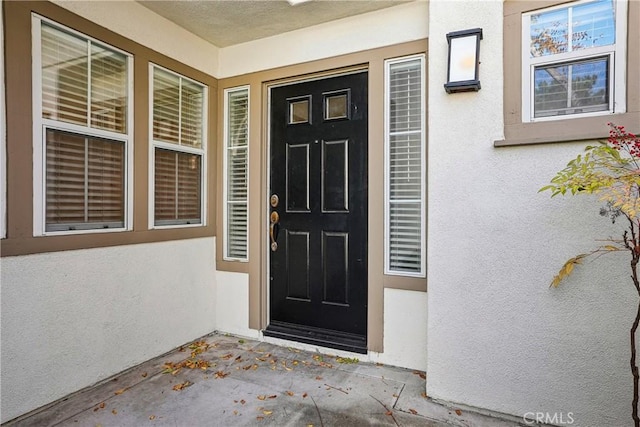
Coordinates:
[574,60]
[82,132]
[236,173]
[405,166]
[178,155]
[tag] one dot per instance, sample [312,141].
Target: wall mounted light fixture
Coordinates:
[464,60]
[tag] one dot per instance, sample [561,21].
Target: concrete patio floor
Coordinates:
[222,380]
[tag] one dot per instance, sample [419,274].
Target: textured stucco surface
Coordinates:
[405,329]
[232,304]
[498,336]
[70,319]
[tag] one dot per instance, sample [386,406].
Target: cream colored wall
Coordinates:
[232,304]
[386,27]
[131,19]
[405,329]
[73,318]
[499,338]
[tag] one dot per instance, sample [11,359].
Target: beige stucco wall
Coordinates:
[498,337]
[73,318]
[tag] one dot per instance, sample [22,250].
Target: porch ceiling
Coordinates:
[228,22]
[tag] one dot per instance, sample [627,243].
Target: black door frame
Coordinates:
[266,208]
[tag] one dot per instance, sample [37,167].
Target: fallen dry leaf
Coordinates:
[242,402]
[420,374]
[304,395]
[273,396]
[413,411]
[290,393]
[423,394]
[220,374]
[318,377]
[171,368]
[259,418]
[152,417]
[181,386]
[458,412]
[267,412]
[388,413]
[122,390]
[262,397]
[114,412]
[144,375]
[235,412]
[227,356]
[102,405]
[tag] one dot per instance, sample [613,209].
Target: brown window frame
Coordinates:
[80,195]
[563,130]
[20,239]
[174,142]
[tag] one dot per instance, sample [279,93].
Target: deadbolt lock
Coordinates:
[274,200]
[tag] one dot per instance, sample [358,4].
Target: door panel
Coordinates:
[318,154]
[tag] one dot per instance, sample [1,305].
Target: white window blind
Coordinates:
[84,114]
[404,166]
[177,187]
[82,83]
[85,182]
[178,124]
[236,173]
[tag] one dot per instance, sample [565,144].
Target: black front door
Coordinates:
[318,212]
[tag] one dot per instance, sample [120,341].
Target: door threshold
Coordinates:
[317,336]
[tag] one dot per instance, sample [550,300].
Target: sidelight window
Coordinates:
[236,172]
[405,166]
